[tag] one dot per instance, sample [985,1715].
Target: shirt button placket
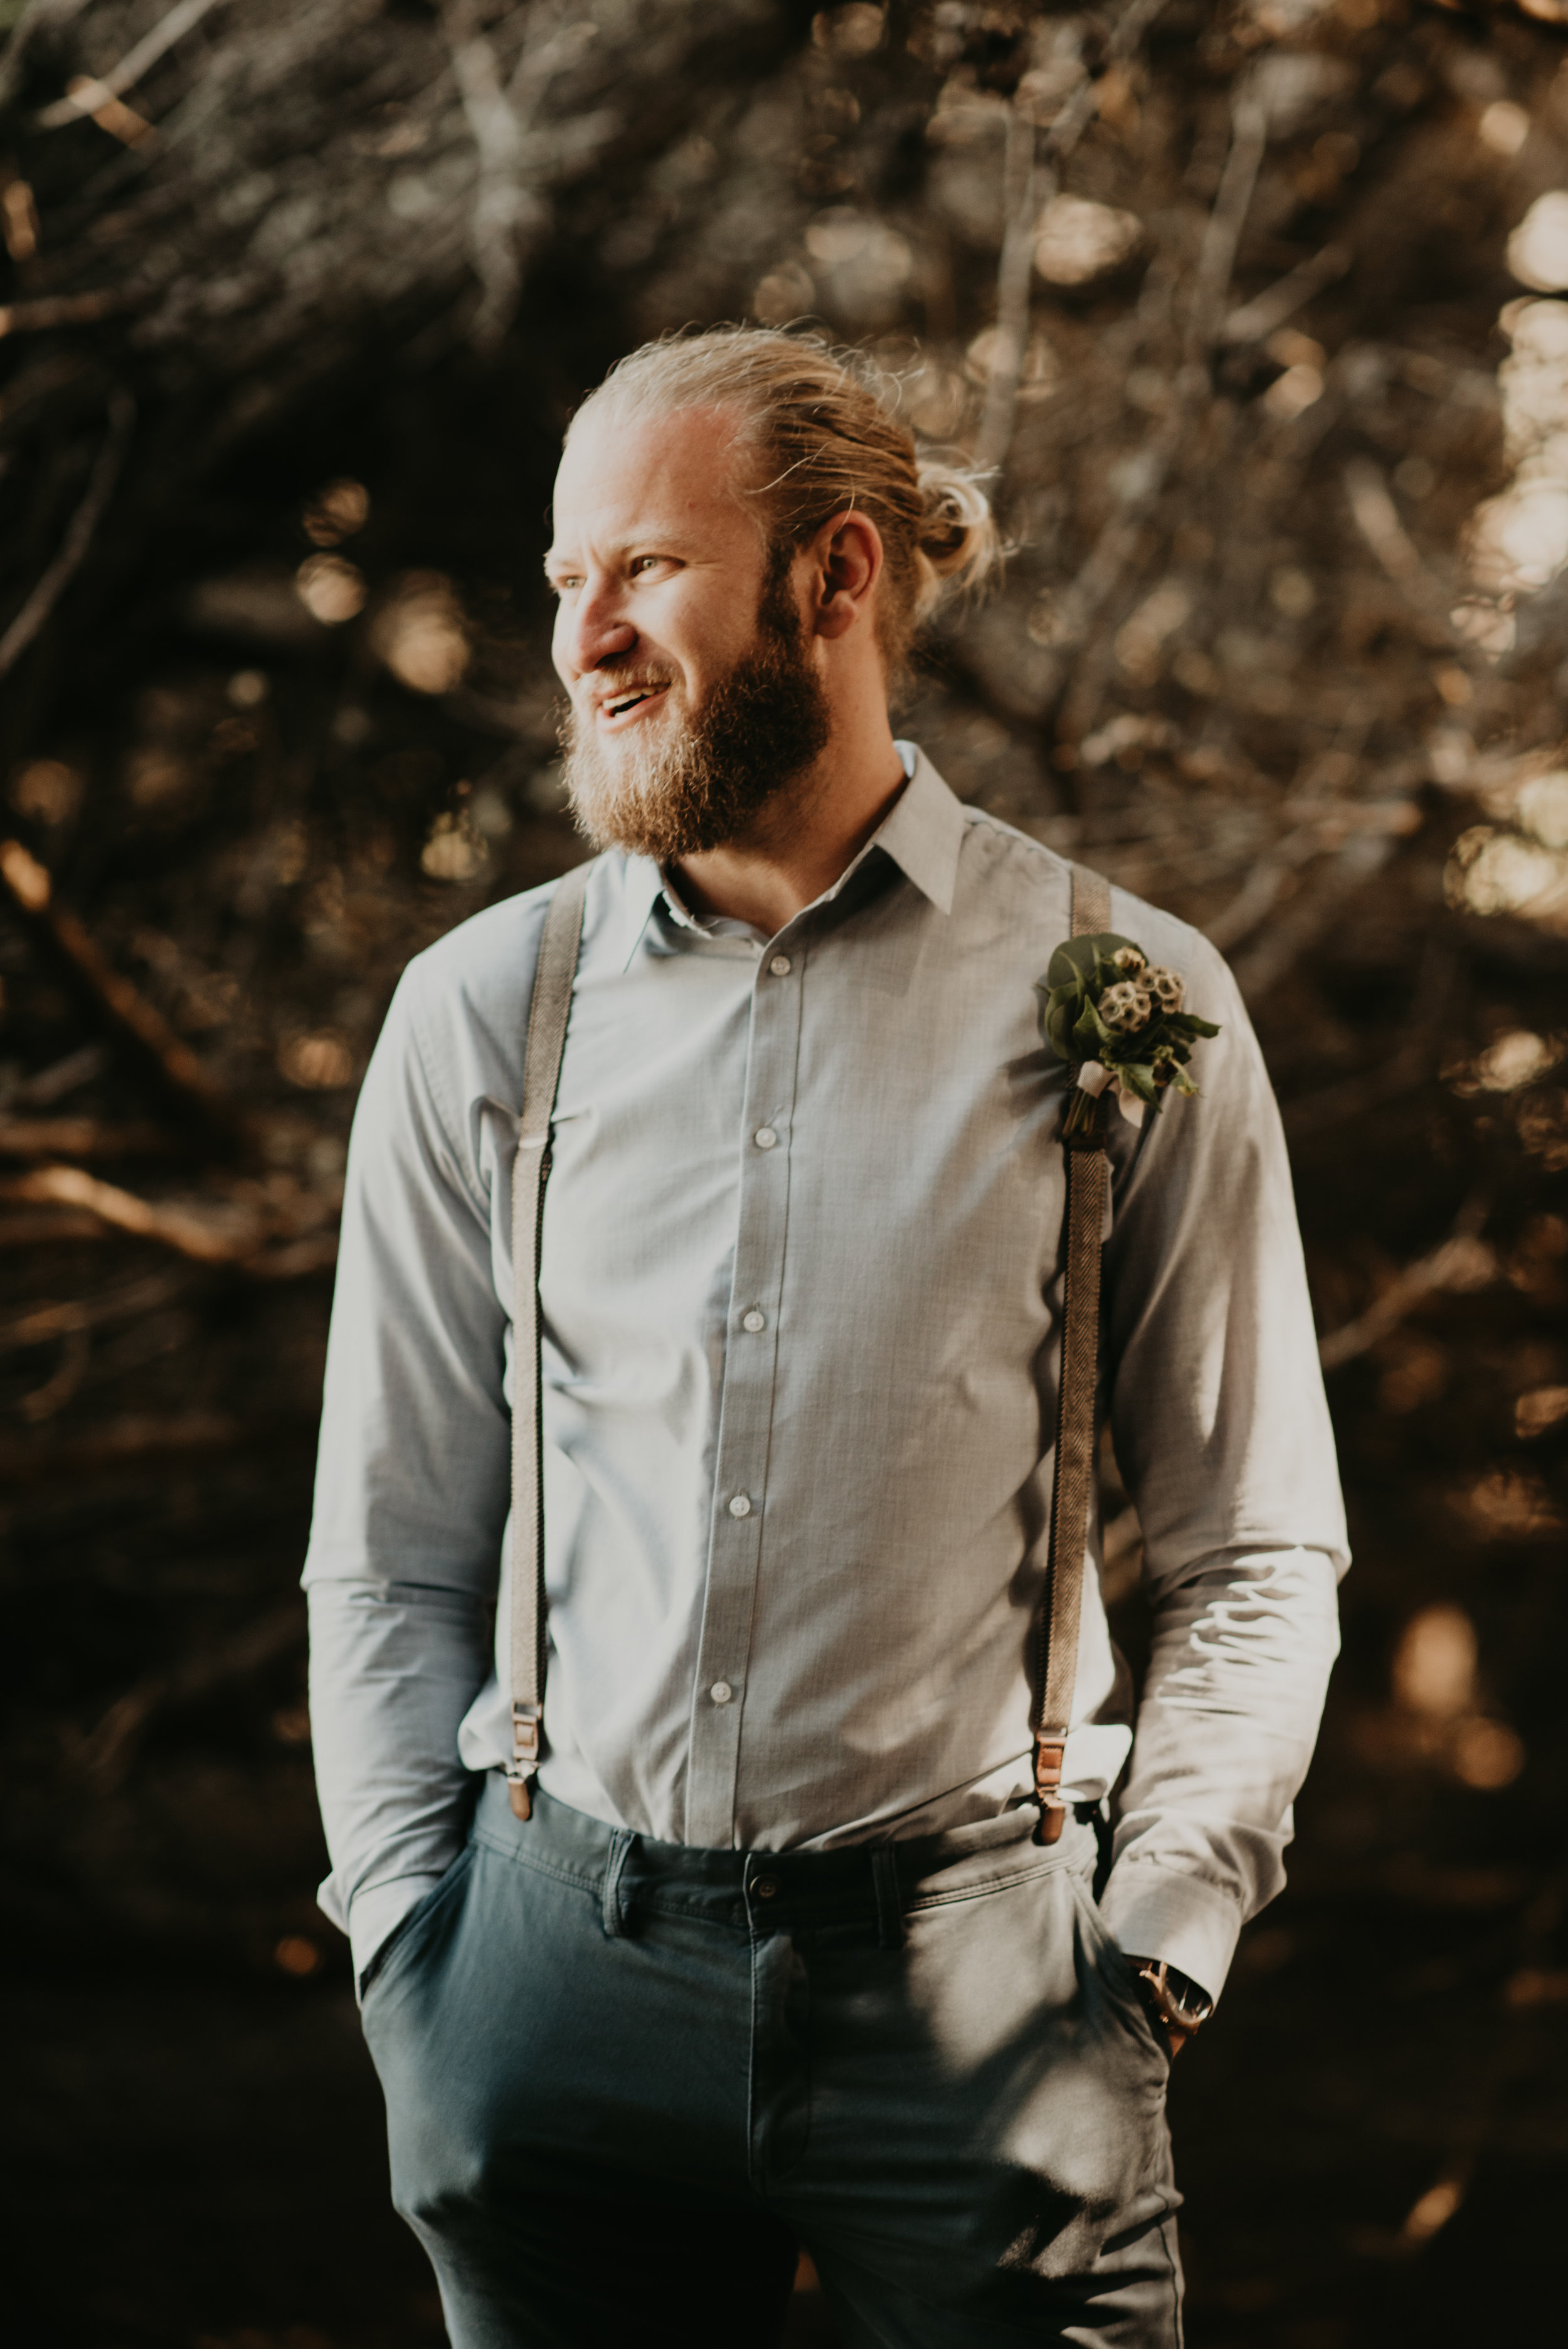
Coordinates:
[745,1403]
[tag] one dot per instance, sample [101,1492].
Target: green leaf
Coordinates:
[1058,1008]
[1090,1031]
[1080,959]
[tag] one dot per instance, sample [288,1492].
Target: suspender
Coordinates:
[1057,1627]
[1056,1635]
[547,1017]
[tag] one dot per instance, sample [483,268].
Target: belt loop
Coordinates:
[890,1904]
[621,1843]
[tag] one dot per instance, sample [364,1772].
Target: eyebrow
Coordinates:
[666,533]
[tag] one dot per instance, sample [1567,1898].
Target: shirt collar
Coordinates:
[642,883]
[923,834]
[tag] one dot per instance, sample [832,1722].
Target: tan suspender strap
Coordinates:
[548,1013]
[1056,1660]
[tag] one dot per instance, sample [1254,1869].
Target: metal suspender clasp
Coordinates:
[1049,1753]
[519,1776]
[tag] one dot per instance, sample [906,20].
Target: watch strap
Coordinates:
[1178,2004]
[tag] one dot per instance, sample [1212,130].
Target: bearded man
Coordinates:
[713,1916]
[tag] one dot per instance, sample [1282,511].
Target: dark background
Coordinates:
[296,311]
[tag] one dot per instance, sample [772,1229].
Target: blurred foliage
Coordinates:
[1257,308]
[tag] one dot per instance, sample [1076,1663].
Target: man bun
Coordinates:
[959,547]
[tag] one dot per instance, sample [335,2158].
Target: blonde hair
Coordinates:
[820,427]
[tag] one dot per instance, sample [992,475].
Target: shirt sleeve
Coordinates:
[411,1492]
[1222,1436]
[1239,1667]
[1215,1394]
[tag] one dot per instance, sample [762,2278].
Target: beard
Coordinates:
[668,792]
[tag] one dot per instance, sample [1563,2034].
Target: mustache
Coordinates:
[609,684]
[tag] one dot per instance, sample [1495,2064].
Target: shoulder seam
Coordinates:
[995,823]
[1000,828]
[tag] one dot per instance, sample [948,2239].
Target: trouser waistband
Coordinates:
[871,1884]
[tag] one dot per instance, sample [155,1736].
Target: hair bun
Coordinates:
[960,546]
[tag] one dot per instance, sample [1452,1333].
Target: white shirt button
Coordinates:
[721,1692]
[765,1137]
[754,1320]
[779,966]
[740,1507]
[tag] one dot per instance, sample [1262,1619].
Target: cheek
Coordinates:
[703,636]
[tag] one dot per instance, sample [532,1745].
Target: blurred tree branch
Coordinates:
[1459,1262]
[78,535]
[111,1745]
[1030,180]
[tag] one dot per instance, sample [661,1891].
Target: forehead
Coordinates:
[623,477]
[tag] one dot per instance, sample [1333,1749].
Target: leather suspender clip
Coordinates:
[1049,1753]
[525,1720]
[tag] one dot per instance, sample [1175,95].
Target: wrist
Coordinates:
[1177,2006]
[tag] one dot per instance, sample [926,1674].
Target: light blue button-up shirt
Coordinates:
[800,1285]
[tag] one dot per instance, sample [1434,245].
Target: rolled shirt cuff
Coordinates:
[1152,1911]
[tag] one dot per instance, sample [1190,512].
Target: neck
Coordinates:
[801,844]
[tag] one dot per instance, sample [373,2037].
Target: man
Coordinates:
[767,1946]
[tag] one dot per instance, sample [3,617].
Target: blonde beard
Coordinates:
[694,780]
[648,796]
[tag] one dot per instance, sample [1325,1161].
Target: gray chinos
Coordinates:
[624,2078]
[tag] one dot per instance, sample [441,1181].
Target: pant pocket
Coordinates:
[1118,1978]
[409,1929]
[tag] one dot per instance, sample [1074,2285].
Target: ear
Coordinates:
[846,560]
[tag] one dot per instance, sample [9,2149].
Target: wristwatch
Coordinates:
[1176,2004]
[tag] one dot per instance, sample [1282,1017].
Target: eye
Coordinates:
[645,563]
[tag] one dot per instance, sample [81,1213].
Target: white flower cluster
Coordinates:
[1125,1006]
[1144,989]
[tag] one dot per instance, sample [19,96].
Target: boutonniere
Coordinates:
[1106,1008]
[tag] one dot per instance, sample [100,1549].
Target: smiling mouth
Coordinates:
[623,704]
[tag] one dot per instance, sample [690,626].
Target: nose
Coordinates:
[593,628]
